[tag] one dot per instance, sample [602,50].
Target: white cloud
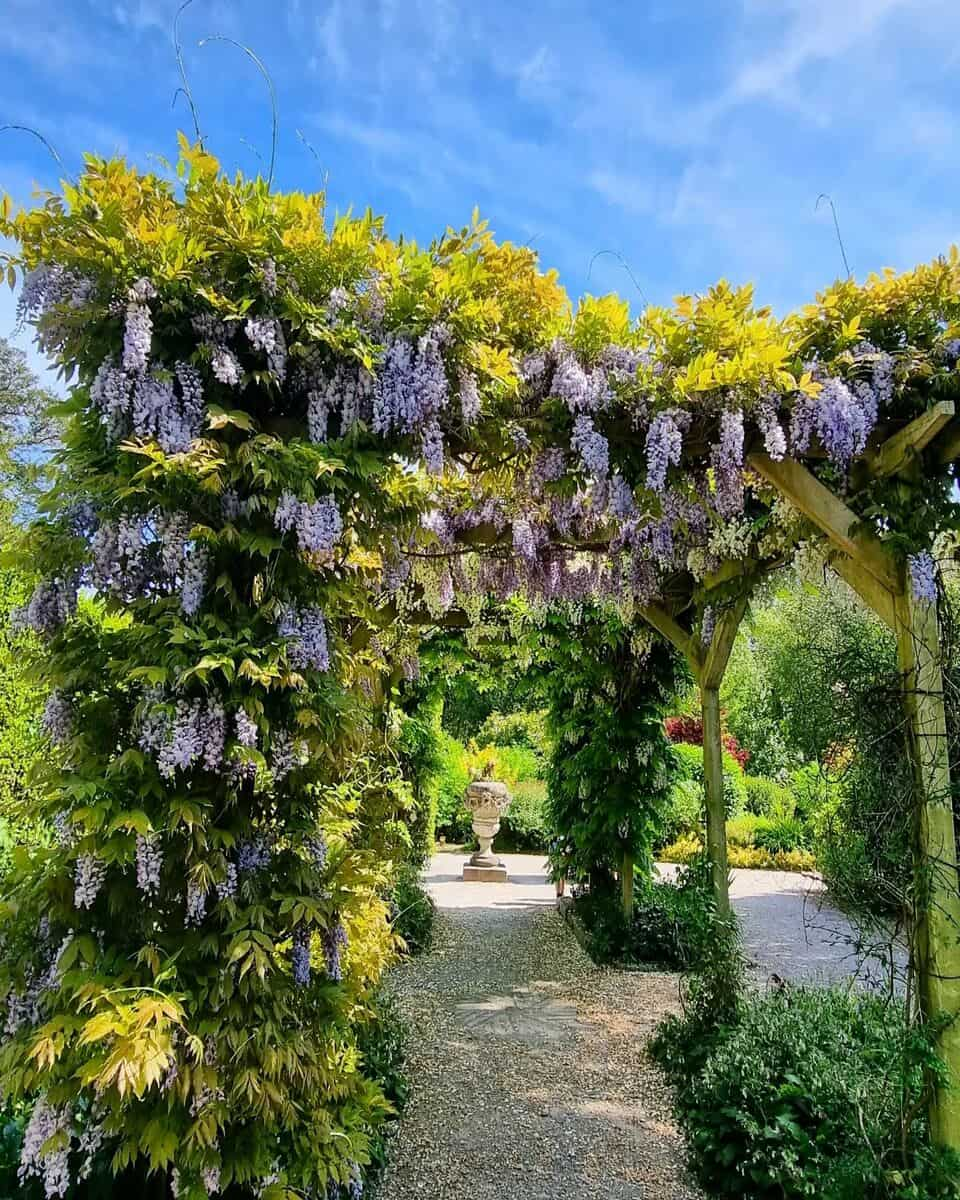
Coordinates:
[632,193]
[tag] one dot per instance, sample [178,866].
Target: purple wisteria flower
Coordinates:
[592,446]
[707,625]
[246,728]
[411,390]
[47,1122]
[227,886]
[620,501]
[727,460]
[52,603]
[431,447]
[664,447]
[253,854]
[194,580]
[469,398]
[316,847]
[286,754]
[306,633]
[225,366]
[300,955]
[844,419]
[768,422]
[196,733]
[547,467]
[334,943]
[137,335]
[111,392]
[196,904]
[524,539]
[149,863]
[89,875]
[803,419]
[923,576]
[318,523]
[583,391]
[57,719]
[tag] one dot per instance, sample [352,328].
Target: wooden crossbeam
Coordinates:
[900,449]
[674,632]
[830,515]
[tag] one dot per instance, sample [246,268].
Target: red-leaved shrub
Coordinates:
[690,730]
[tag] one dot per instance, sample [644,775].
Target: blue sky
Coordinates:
[692,138]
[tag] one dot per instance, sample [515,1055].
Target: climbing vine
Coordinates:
[291,443]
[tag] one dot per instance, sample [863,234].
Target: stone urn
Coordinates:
[487,801]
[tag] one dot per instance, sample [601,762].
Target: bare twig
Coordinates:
[219,37]
[836,226]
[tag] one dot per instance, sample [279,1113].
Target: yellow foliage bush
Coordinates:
[686,849]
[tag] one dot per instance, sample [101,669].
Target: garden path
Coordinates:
[530,1077]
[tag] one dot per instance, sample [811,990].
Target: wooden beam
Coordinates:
[675,634]
[830,515]
[724,635]
[732,568]
[901,449]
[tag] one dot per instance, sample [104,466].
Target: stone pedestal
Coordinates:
[487,800]
[483,874]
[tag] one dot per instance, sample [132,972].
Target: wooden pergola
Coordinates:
[860,557]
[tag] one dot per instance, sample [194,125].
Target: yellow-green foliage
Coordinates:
[686,849]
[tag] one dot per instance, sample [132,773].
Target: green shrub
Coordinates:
[510,764]
[812,791]
[742,831]
[672,923]
[382,1046]
[527,729]
[690,766]
[413,911]
[453,819]
[683,815]
[800,1096]
[524,824]
[767,798]
[781,834]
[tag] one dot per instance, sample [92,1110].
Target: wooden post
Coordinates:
[715,659]
[708,664]
[626,885]
[713,796]
[872,571]
[936,941]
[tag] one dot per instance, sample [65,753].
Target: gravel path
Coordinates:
[530,1080]
[791,929]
